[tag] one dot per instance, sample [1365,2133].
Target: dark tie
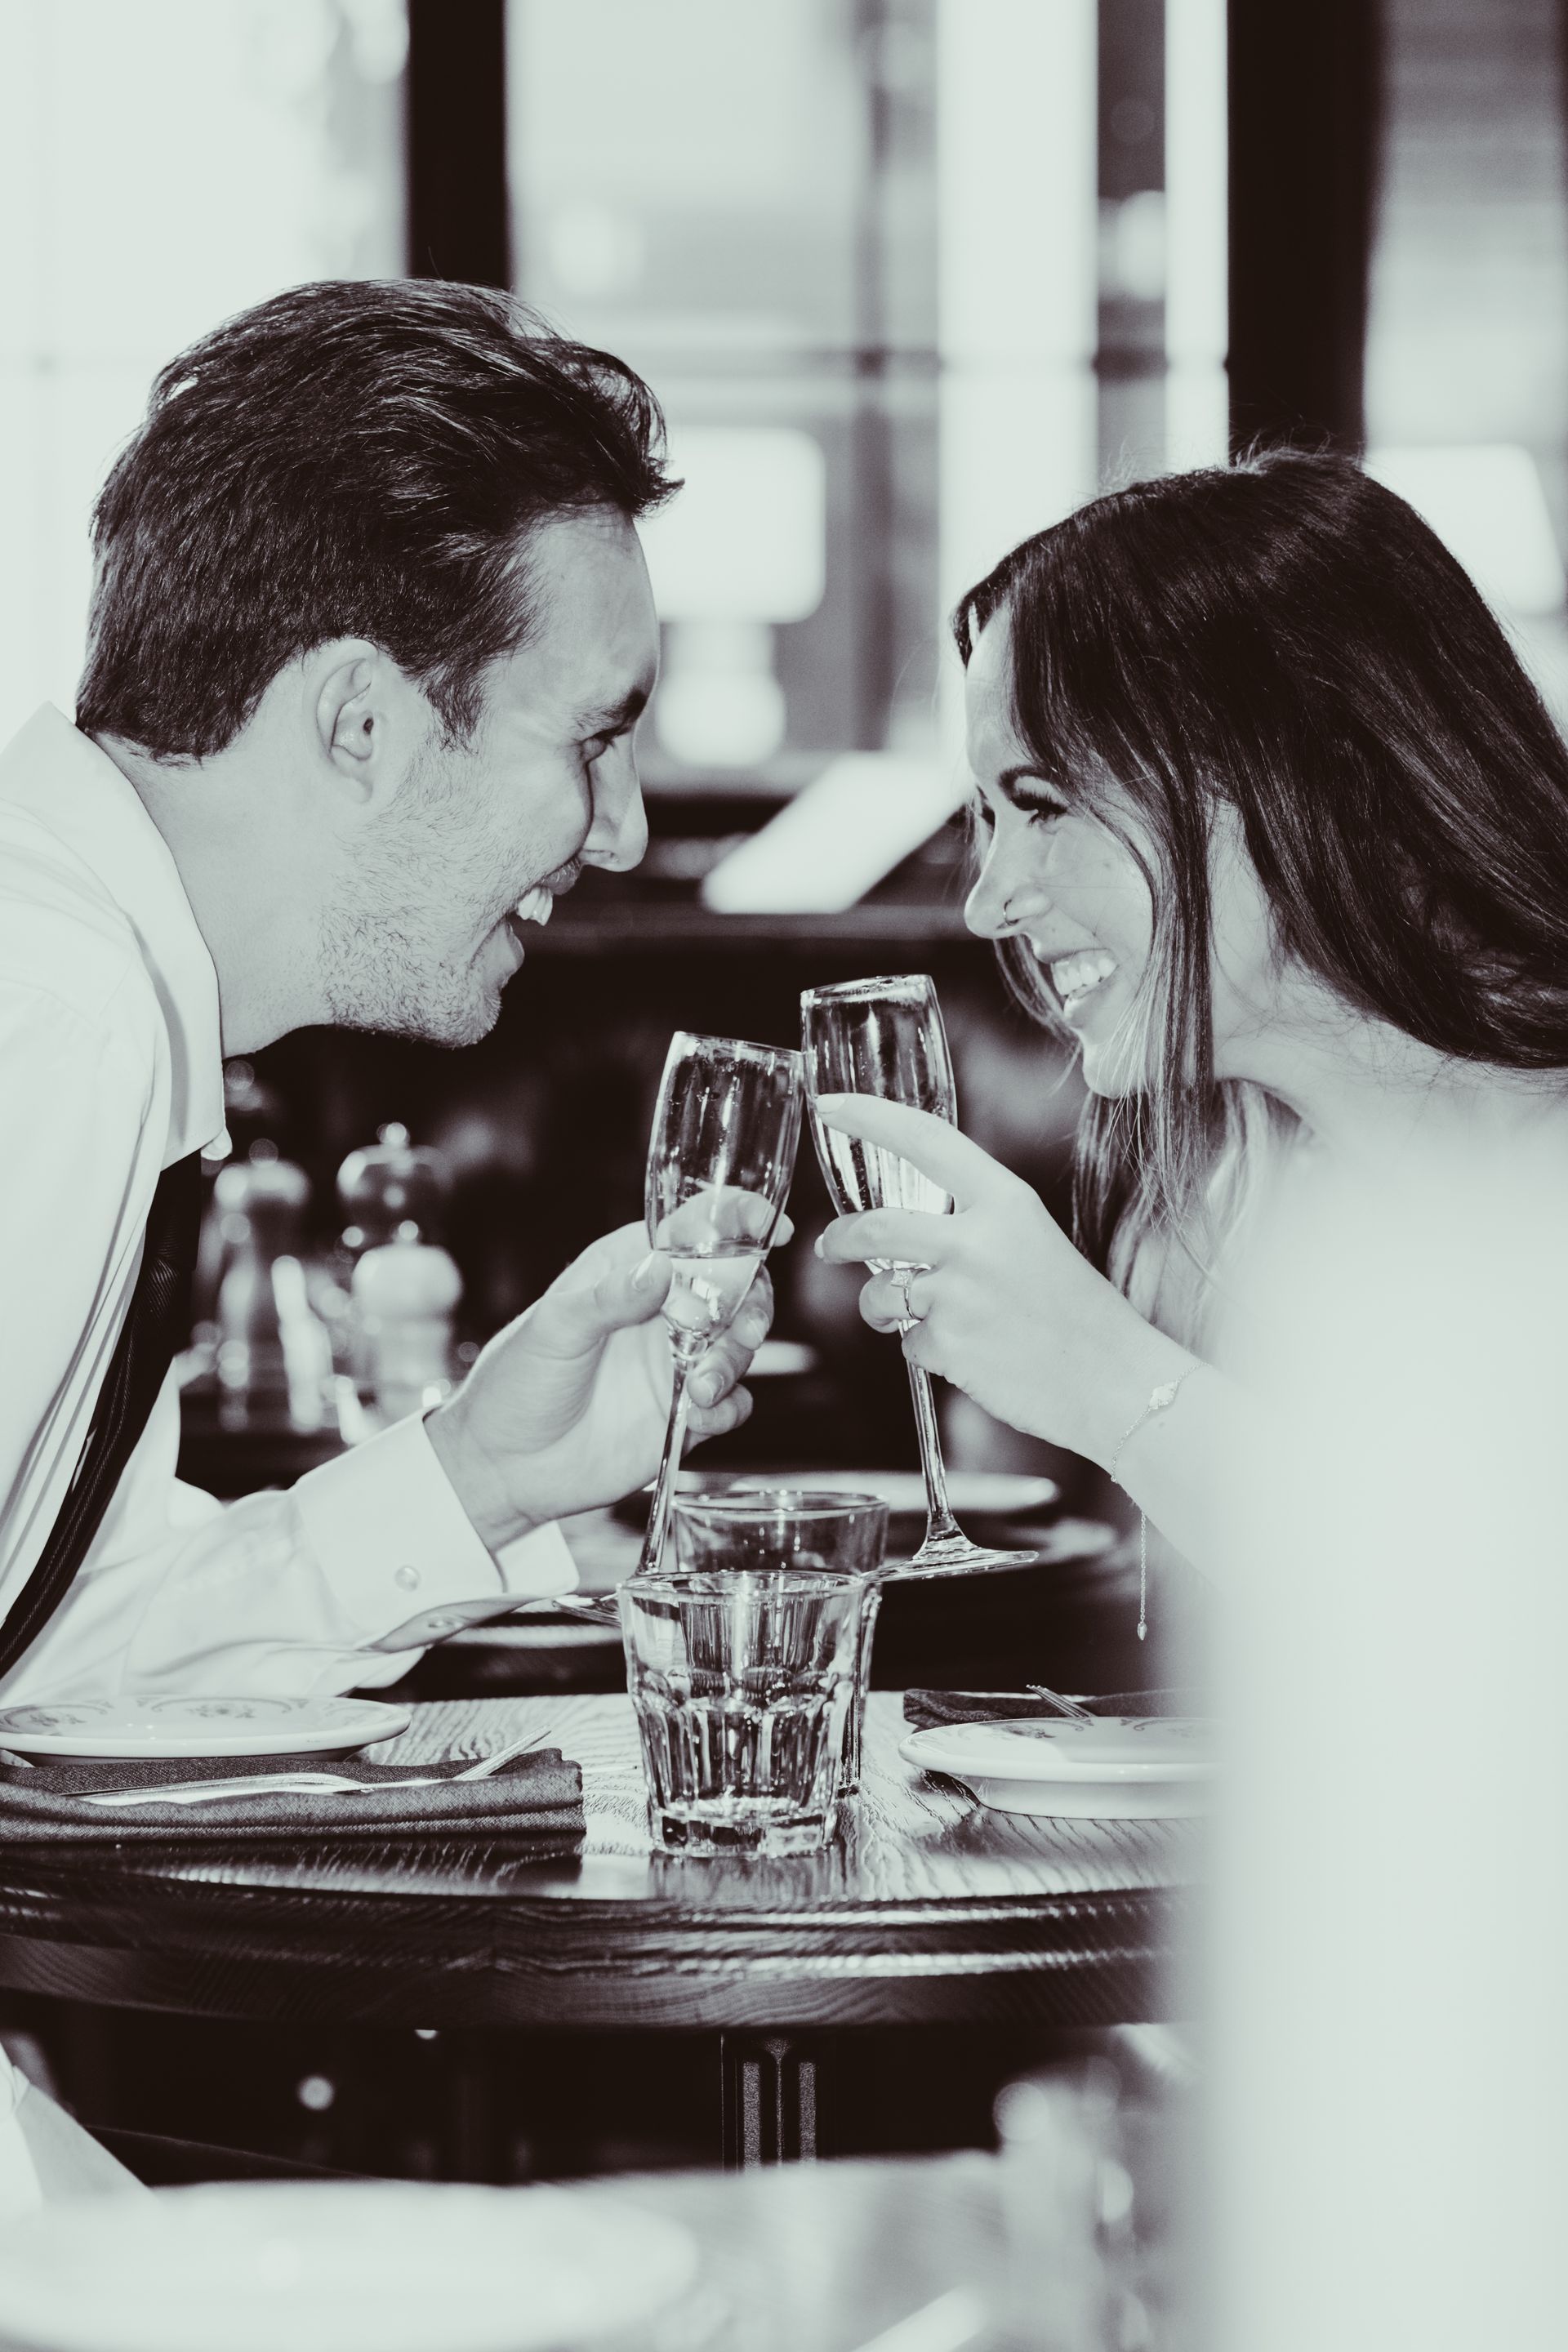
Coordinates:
[157,1324]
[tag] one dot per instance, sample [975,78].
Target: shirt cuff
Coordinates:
[386,1525]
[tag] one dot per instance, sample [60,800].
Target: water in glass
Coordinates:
[792,1531]
[741,1683]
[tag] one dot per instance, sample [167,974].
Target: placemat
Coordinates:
[535,1802]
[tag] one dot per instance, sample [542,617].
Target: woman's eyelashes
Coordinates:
[1037,802]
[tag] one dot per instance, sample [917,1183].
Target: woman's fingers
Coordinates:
[907,1236]
[884,1305]
[931,1144]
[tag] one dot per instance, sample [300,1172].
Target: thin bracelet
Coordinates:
[1160,1399]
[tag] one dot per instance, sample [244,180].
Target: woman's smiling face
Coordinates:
[1063,881]
[1057,878]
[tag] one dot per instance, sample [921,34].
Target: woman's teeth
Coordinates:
[1073,976]
[535,906]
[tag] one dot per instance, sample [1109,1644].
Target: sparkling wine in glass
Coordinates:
[719,1160]
[886,1038]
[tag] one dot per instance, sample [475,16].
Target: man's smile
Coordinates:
[537,904]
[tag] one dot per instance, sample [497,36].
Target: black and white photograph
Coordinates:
[784,1175]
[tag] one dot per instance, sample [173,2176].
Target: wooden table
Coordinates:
[931,1909]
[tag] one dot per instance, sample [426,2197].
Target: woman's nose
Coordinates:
[1002,900]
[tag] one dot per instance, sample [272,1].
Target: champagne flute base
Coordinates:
[953,1554]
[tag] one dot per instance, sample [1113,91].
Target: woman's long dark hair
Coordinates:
[1290,638]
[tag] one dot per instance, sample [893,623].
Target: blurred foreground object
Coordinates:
[1389,2027]
[1094,2158]
[1055,2137]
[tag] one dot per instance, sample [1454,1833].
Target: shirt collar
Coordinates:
[76,790]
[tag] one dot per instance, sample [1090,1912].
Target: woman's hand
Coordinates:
[1006,1307]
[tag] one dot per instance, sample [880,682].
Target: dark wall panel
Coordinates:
[458,216]
[1304,124]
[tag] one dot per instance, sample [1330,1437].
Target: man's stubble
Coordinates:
[388,957]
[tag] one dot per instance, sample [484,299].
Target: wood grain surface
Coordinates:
[930,1907]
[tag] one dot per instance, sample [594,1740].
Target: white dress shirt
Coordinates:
[109,1072]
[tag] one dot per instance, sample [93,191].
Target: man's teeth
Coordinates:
[535,906]
[1075,975]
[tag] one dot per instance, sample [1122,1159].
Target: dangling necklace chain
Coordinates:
[1160,1399]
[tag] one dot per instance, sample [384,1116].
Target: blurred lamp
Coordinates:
[741,546]
[745,540]
[719,704]
[1487,505]
[864,814]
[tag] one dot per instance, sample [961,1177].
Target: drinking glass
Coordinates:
[886,1038]
[719,1160]
[792,1531]
[741,1682]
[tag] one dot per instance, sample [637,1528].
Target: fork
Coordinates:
[293,1784]
[1067,1706]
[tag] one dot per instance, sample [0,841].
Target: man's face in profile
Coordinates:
[486,832]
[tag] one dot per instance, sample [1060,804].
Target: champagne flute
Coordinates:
[886,1038]
[719,1160]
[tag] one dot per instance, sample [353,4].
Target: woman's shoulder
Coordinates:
[1159,1270]
[1187,1275]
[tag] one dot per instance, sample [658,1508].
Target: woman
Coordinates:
[1275,827]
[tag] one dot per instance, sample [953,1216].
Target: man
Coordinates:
[370,635]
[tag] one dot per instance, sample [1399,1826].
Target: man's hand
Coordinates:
[566,1408]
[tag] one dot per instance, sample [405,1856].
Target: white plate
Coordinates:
[1004,1493]
[199,1727]
[377,2266]
[1124,1768]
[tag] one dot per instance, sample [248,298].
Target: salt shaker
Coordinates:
[405,1293]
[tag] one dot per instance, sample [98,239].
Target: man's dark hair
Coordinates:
[348,459]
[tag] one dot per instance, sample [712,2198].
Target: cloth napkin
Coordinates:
[533,1804]
[923,1709]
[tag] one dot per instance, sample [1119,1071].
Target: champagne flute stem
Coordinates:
[939,1521]
[664,1487]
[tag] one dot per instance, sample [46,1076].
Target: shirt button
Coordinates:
[407,1577]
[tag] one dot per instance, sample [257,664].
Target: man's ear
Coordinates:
[353,697]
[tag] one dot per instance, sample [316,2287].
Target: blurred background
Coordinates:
[912,278]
